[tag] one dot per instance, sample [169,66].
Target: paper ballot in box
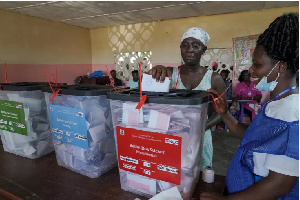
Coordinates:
[82,129]
[24,124]
[160,145]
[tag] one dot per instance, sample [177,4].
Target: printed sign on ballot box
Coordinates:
[154,155]
[68,125]
[12,117]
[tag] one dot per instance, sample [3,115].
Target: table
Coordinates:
[42,179]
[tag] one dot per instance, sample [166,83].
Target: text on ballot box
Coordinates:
[68,125]
[154,155]
[12,117]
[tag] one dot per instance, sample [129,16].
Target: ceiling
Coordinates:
[98,14]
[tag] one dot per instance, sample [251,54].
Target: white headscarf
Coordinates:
[197,33]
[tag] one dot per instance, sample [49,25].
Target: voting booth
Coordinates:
[24,124]
[81,127]
[160,145]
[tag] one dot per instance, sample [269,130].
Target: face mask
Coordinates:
[263,84]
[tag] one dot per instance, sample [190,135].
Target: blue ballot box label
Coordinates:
[68,125]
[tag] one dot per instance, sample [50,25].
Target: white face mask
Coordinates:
[263,84]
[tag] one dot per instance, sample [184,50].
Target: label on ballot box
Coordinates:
[12,117]
[154,155]
[68,125]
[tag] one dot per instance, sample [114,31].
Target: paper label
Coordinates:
[154,155]
[12,117]
[68,125]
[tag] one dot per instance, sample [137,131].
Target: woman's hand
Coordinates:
[219,103]
[211,196]
[159,73]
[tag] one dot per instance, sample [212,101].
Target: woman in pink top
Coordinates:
[245,90]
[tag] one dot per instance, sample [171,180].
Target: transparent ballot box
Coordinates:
[24,123]
[82,131]
[160,145]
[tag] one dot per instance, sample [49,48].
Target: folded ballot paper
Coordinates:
[170,194]
[158,120]
[150,85]
[132,116]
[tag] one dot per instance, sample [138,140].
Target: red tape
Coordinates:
[6,74]
[215,99]
[55,93]
[142,98]
[141,102]
[56,76]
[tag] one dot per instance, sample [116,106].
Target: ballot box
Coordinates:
[81,127]
[160,145]
[24,124]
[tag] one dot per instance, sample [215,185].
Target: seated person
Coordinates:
[117,82]
[134,82]
[245,90]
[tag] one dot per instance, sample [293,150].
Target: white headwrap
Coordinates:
[197,33]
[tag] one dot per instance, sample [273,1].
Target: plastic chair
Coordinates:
[254,107]
[235,114]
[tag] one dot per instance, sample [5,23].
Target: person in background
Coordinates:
[215,67]
[224,74]
[224,67]
[245,90]
[117,82]
[266,164]
[192,76]
[134,82]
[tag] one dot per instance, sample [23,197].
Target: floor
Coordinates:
[225,145]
